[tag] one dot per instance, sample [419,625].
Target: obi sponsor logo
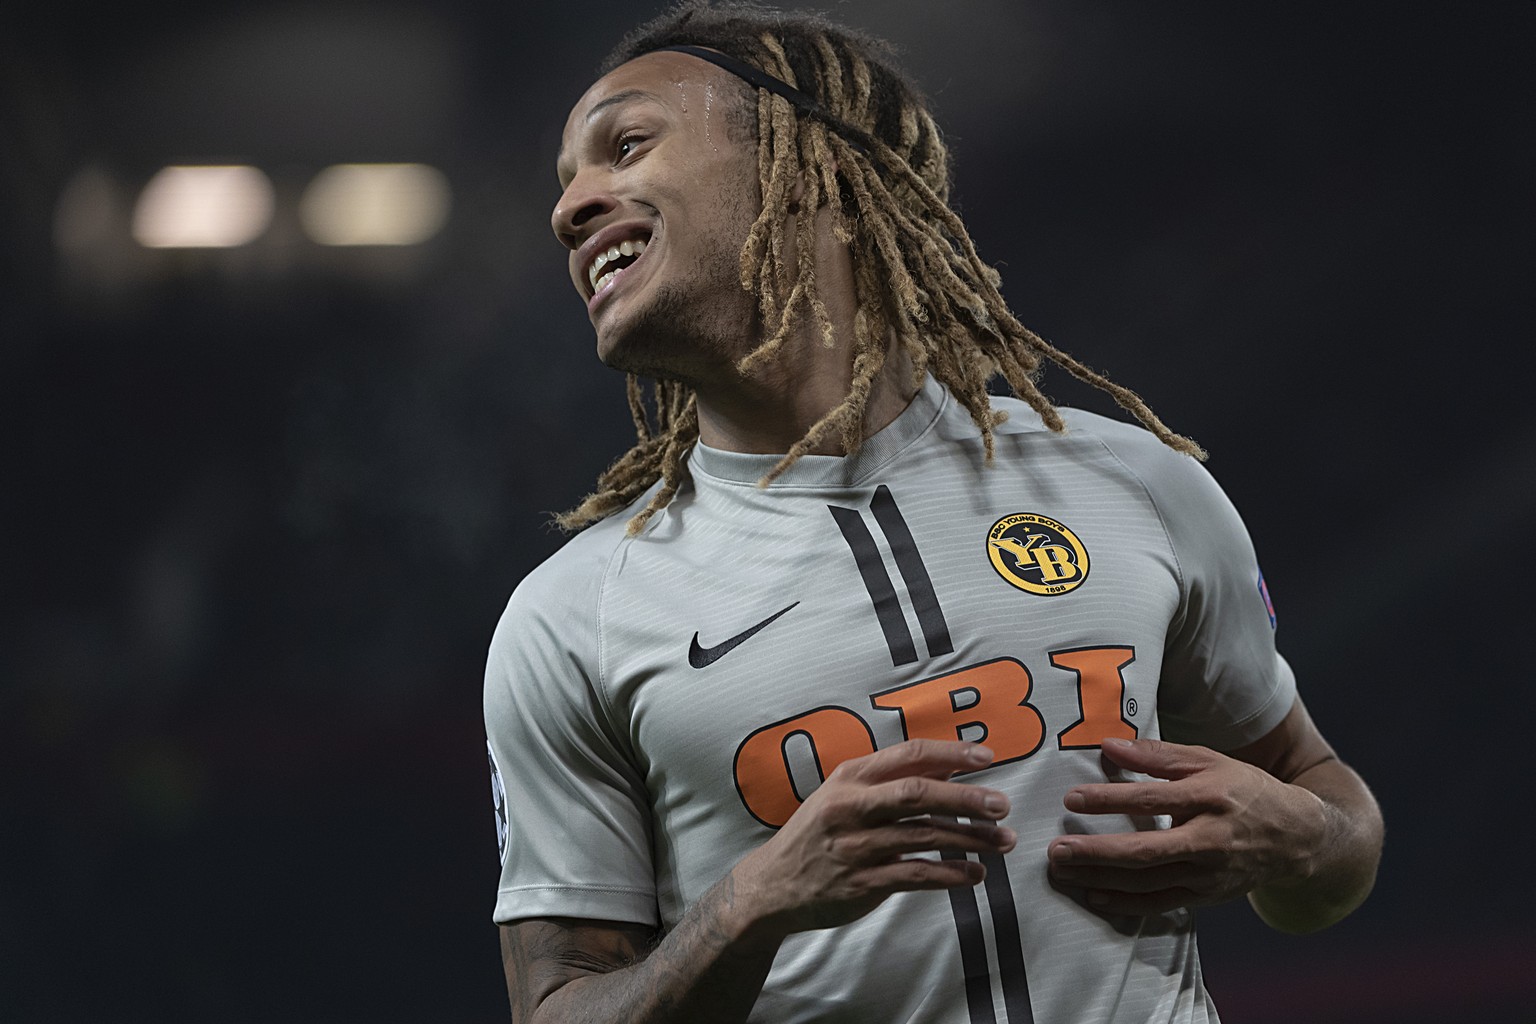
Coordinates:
[989,703]
[1037,554]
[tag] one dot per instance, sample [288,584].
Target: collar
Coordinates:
[818,470]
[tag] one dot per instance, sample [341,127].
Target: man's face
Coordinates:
[660,189]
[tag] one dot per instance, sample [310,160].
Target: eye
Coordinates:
[627,144]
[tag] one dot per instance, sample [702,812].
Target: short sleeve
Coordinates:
[574,817]
[1223,683]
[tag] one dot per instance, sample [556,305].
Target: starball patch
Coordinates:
[499,798]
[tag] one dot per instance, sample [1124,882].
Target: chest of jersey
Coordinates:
[783,631]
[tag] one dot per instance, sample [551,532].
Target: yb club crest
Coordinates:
[1037,554]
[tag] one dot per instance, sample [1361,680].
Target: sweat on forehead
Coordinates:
[664,78]
[657,70]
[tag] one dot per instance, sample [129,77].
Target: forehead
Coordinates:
[664,77]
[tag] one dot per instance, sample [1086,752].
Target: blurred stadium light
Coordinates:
[211,207]
[375,204]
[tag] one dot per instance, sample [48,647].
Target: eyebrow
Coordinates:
[620,97]
[623,96]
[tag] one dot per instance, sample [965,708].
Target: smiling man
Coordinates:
[865,696]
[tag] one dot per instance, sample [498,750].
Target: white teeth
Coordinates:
[595,275]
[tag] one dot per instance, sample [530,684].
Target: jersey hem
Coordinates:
[592,902]
[1239,733]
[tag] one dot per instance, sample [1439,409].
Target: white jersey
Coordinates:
[657,706]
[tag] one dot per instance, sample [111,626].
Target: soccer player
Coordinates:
[863,695]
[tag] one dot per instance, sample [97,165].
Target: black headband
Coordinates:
[761,79]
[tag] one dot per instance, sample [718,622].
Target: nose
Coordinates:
[582,200]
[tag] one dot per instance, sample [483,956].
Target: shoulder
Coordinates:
[544,663]
[1135,448]
[560,597]
[1131,443]
[571,571]
[1187,498]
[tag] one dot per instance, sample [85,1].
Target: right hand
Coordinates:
[841,853]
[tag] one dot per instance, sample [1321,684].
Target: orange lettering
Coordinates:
[987,703]
[1100,695]
[763,774]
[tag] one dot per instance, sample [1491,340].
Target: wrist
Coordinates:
[749,916]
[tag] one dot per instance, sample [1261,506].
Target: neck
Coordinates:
[768,413]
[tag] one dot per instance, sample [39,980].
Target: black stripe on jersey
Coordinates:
[929,616]
[1010,947]
[878,582]
[973,949]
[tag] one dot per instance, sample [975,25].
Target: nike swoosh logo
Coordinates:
[703,657]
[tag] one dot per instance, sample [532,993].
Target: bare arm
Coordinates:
[1282,820]
[561,969]
[839,856]
[1333,873]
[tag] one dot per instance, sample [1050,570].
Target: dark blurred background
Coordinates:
[262,504]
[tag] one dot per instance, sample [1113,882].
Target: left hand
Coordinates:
[1235,828]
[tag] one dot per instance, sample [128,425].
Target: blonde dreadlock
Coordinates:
[883,172]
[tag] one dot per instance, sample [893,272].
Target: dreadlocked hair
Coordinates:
[874,156]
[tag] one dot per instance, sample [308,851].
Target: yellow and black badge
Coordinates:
[1037,554]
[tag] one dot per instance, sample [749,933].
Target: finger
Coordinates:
[1136,798]
[921,873]
[917,795]
[932,758]
[1157,757]
[922,836]
[1131,849]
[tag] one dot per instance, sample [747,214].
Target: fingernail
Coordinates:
[979,755]
[996,804]
[1060,853]
[1074,801]
[1115,743]
[1007,836]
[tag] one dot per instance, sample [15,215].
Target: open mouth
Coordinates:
[608,264]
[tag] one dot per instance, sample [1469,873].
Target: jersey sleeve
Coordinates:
[1223,683]
[574,820]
